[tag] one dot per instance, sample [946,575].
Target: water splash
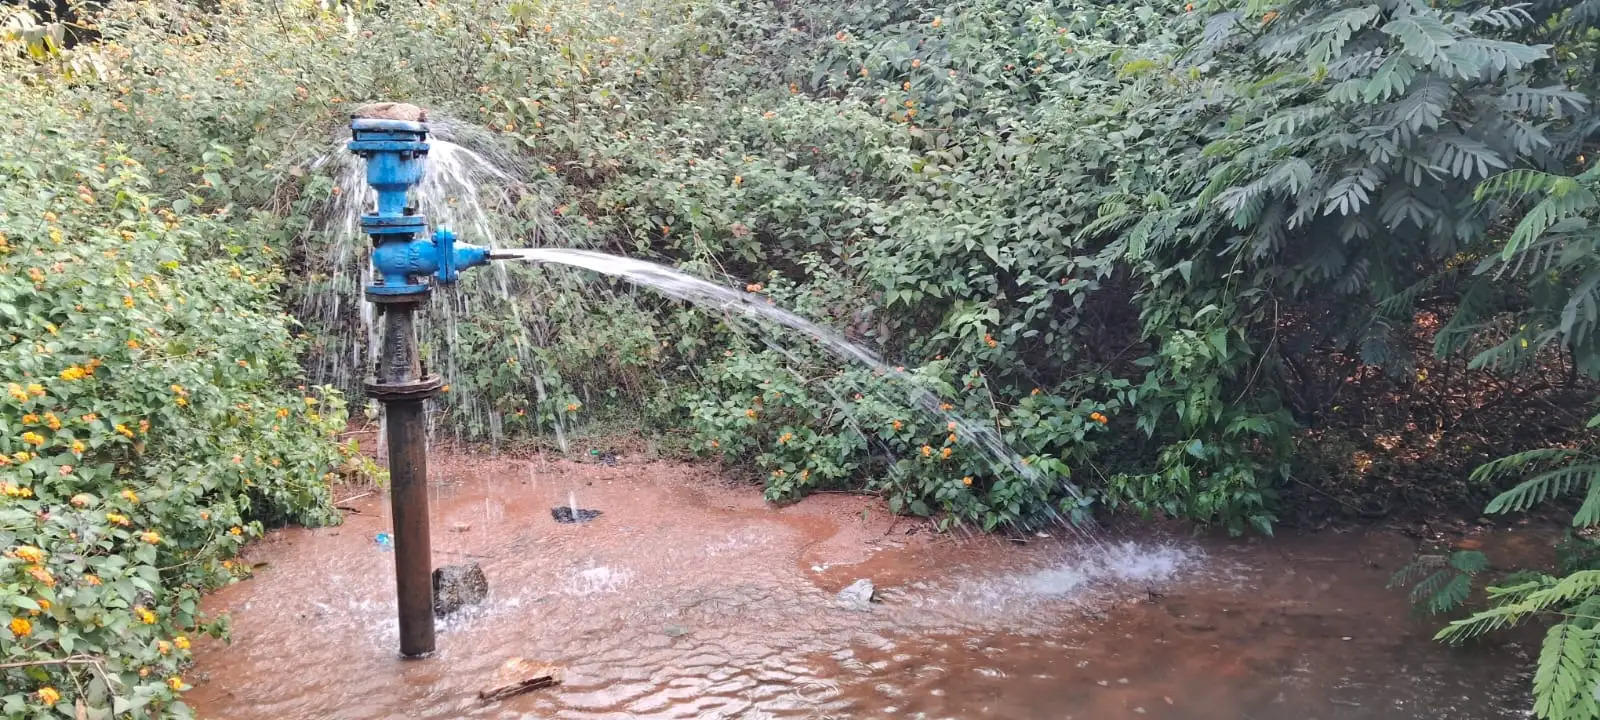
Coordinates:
[470,184]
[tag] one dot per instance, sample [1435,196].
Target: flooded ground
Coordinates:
[691,598]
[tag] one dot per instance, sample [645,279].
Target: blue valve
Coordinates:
[395,151]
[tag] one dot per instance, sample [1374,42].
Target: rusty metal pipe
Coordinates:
[408,498]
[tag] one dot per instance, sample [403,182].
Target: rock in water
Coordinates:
[858,596]
[391,111]
[564,514]
[455,586]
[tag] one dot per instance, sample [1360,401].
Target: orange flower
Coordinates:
[947,407]
[130,496]
[751,413]
[897,424]
[944,454]
[151,536]
[91,579]
[937,21]
[950,439]
[20,627]
[78,447]
[785,438]
[967,481]
[927,451]
[1097,417]
[43,576]
[1035,391]
[82,500]
[48,696]
[90,417]
[234,530]
[990,341]
[30,419]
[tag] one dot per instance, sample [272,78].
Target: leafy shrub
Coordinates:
[1167,216]
[146,428]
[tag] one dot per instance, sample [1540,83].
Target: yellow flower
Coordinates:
[33,438]
[20,627]
[130,496]
[145,616]
[16,392]
[91,579]
[234,530]
[175,682]
[117,519]
[35,389]
[123,430]
[29,553]
[73,373]
[182,401]
[182,641]
[163,647]
[44,605]
[151,536]
[21,457]
[283,413]
[310,401]
[78,447]
[49,696]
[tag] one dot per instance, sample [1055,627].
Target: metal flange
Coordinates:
[422,389]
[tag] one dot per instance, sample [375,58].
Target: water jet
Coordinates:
[407,260]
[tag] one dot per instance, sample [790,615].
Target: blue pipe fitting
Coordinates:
[398,262]
[395,151]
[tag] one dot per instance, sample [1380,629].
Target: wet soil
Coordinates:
[690,597]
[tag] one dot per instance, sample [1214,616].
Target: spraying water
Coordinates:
[705,294]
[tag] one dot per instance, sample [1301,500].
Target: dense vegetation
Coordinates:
[1215,261]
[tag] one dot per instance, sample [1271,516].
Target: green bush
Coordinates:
[1170,216]
[146,428]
